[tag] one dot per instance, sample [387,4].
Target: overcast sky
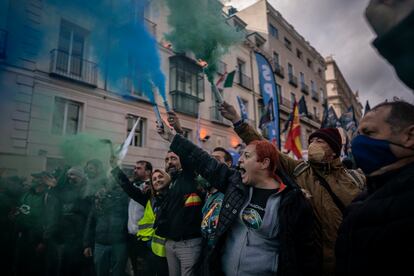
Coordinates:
[339,28]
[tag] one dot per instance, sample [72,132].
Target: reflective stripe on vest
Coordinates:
[145,226]
[158,245]
[146,223]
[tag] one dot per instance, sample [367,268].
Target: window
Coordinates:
[66,117]
[315,112]
[313,86]
[288,44]
[299,54]
[241,65]
[309,63]
[292,98]
[322,95]
[290,69]
[186,77]
[242,78]
[273,31]
[302,78]
[238,26]
[276,58]
[186,85]
[138,139]
[279,90]
[71,47]
[320,72]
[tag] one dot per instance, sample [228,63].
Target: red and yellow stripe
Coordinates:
[192,200]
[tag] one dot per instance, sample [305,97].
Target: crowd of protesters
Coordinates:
[204,215]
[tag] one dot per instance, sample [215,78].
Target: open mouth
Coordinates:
[242,171]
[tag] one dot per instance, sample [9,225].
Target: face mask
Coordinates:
[372,154]
[316,153]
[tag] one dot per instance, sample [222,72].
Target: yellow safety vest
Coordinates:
[158,245]
[146,223]
[146,231]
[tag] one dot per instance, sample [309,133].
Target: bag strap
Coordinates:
[341,206]
[300,168]
[357,179]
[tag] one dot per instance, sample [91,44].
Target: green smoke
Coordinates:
[200,27]
[80,148]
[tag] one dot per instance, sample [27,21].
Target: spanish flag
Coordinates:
[293,138]
[192,200]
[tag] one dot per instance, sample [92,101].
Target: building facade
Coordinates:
[62,88]
[340,95]
[53,84]
[298,67]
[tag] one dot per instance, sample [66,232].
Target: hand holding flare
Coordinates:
[165,132]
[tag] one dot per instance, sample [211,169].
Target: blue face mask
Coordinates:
[372,154]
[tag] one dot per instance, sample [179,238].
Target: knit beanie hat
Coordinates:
[330,136]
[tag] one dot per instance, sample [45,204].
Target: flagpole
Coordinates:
[219,98]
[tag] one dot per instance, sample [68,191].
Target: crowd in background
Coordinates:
[202,215]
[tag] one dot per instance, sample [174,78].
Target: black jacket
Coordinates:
[298,256]
[175,219]
[377,234]
[178,218]
[108,219]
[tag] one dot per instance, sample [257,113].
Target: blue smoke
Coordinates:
[117,38]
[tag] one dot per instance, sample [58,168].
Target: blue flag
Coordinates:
[330,119]
[243,109]
[269,90]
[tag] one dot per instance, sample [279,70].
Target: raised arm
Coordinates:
[128,187]
[213,171]
[248,134]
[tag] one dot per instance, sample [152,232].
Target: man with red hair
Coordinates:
[265,224]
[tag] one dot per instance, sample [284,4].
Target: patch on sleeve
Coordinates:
[192,200]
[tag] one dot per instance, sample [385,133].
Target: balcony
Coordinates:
[221,68]
[286,102]
[315,96]
[185,103]
[244,80]
[3,43]
[64,65]
[304,88]
[293,80]
[279,70]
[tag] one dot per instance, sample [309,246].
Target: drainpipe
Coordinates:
[253,87]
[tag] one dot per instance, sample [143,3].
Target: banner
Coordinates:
[268,90]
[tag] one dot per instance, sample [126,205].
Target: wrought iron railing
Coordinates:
[279,70]
[293,80]
[304,88]
[185,103]
[244,80]
[315,95]
[286,102]
[73,67]
[215,115]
